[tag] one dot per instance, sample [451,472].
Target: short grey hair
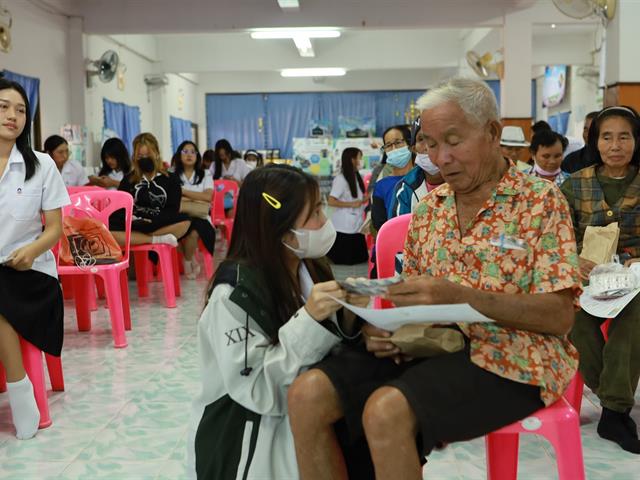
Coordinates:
[474,97]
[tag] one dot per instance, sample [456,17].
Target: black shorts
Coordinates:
[452,398]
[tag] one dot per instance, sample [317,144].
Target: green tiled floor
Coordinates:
[125,412]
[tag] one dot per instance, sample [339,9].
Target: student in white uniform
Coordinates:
[230,168]
[31,304]
[269,317]
[197,185]
[115,164]
[72,172]
[348,199]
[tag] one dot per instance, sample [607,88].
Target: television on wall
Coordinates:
[554,86]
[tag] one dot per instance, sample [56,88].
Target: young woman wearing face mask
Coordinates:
[269,316]
[115,164]
[423,178]
[348,199]
[72,172]
[156,198]
[547,149]
[253,159]
[31,196]
[197,185]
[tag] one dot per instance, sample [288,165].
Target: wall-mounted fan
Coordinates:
[105,67]
[485,65]
[5,30]
[605,9]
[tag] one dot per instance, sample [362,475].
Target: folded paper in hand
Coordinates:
[392,319]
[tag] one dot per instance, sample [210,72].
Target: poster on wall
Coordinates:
[555,83]
[356,127]
[320,128]
[313,155]
[370,148]
[76,137]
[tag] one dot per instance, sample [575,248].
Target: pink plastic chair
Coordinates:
[32,360]
[218,217]
[574,392]
[114,276]
[169,270]
[390,240]
[558,423]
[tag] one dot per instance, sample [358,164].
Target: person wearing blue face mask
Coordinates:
[398,155]
[423,178]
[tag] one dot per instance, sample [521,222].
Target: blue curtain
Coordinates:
[238,118]
[392,108]
[288,115]
[122,119]
[180,131]
[346,104]
[31,85]
[560,122]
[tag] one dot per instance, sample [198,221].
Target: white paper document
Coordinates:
[606,308]
[393,318]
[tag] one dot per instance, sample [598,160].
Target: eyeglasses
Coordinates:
[189,152]
[387,147]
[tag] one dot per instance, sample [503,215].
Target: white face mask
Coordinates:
[252,164]
[425,163]
[314,243]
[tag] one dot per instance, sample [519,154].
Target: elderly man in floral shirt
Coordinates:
[492,237]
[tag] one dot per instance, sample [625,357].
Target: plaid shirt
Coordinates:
[590,208]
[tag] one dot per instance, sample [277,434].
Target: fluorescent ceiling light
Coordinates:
[313,72]
[275,33]
[303,44]
[289,4]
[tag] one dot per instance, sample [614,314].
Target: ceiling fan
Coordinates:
[5,29]
[485,65]
[604,9]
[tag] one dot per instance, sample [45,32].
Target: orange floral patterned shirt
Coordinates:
[521,207]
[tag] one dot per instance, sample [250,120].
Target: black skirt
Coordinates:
[206,232]
[349,249]
[32,303]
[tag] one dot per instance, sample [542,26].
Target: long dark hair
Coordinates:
[351,174]
[23,142]
[259,227]
[222,144]
[53,142]
[115,148]
[623,111]
[176,161]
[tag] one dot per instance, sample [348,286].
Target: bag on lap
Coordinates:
[195,208]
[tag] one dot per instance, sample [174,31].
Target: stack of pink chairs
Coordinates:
[558,423]
[114,276]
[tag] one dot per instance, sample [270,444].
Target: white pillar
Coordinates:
[515,86]
[622,44]
[76,69]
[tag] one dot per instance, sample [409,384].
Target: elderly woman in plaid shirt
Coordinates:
[607,192]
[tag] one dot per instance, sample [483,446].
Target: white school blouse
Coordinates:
[346,220]
[21,204]
[73,174]
[238,169]
[205,184]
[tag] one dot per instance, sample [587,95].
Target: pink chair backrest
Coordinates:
[220,188]
[100,205]
[389,242]
[84,188]
[366,180]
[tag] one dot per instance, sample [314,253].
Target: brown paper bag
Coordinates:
[600,243]
[425,340]
[195,208]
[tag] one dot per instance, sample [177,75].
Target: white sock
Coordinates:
[167,238]
[24,409]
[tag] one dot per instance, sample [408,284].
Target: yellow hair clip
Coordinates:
[271,201]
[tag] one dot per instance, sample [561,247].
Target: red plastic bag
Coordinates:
[87,241]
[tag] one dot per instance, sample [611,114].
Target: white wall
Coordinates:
[134,93]
[39,50]
[178,100]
